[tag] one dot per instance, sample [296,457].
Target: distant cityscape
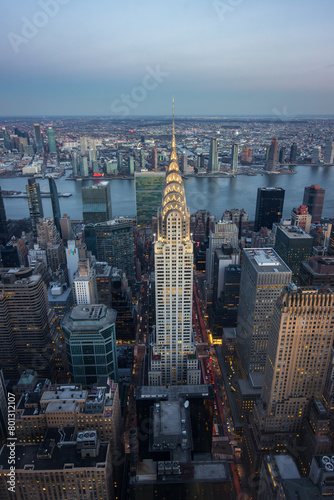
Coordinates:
[178,353]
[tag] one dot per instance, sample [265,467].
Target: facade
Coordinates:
[263,278]
[294,246]
[84,284]
[38,139]
[300,340]
[3,222]
[184,163]
[281,157]
[329,152]
[131,165]
[213,165]
[154,159]
[49,240]
[115,245]
[149,186]
[34,203]
[272,161]
[52,141]
[269,207]
[173,355]
[142,159]
[316,155]
[56,472]
[66,228]
[330,249]
[314,200]
[90,337]
[224,233]
[55,204]
[28,324]
[96,203]
[3,409]
[293,153]
[234,158]
[317,271]
[301,218]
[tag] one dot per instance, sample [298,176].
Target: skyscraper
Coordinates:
[142,159]
[269,207]
[83,145]
[234,158]
[90,337]
[52,141]
[263,277]
[55,203]
[131,165]
[173,356]
[282,151]
[49,239]
[96,203]
[27,329]
[299,354]
[34,203]
[3,222]
[301,218]
[38,139]
[213,165]
[84,283]
[314,200]
[115,245]
[119,161]
[154,159]
[149,186]
[75,162]
[293,153]
[184,163]
[83,166]
[293,245]
[272,162]
[329,152]
[331,242]
[316,154]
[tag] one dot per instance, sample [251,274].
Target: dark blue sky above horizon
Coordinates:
[218,57]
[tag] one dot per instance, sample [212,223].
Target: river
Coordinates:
[213,194]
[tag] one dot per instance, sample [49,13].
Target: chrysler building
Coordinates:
[173,355]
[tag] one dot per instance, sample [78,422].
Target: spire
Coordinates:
[173,155]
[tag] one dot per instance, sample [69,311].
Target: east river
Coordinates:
[213,194]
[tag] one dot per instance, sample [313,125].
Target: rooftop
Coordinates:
[64,457]
[64,393]
[89,317]
[266,260]
[294,232]
[173,391]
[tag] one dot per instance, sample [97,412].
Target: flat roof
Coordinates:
[173,391]
[246,388]
[295,232]
[64,393]
[211,471]
[89,317]
[61,406]
[26,455]
[266,260]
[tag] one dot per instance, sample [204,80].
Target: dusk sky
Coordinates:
[113,57]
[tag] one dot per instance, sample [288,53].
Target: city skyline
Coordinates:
[234,59]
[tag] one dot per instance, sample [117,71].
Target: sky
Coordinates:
[128,57]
